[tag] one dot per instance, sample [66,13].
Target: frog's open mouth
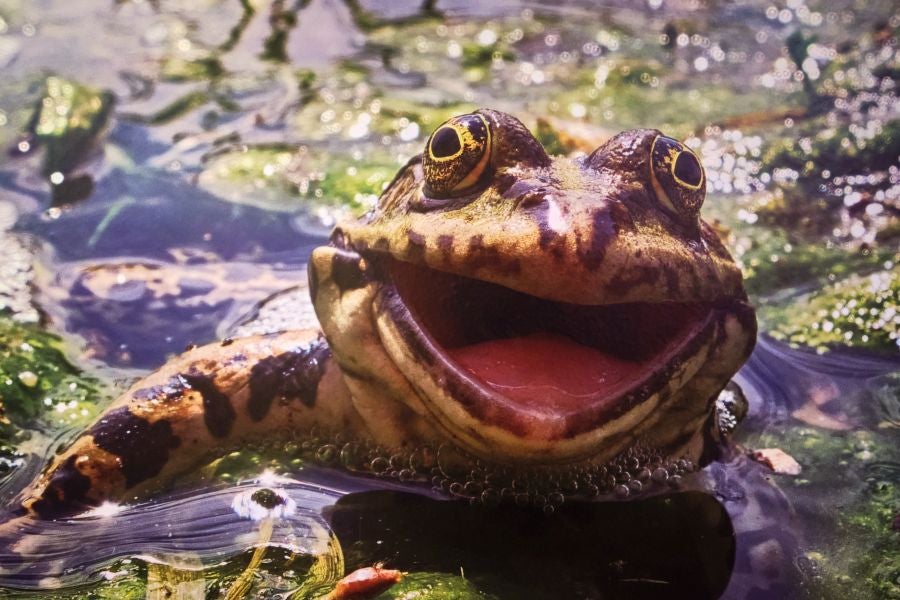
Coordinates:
[538,368]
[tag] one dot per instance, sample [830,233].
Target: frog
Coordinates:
[527,311]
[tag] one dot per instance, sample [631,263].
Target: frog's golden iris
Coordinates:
[678,177]
[457,156]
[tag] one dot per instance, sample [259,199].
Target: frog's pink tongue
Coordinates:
[548,371]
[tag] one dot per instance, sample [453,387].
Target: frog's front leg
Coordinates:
[208,400]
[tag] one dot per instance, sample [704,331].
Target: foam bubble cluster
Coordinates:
[454,472]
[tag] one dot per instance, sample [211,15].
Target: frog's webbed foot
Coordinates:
[201,404]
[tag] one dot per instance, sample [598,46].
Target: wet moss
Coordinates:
[846,498]
[38,383]
[177,70]
[774,260]
[281,20]
[859,311]
[285,178]
[628,94]
[836,150]
[69,121]
[482,55]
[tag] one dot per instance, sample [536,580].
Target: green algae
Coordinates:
[773,260]
[286,178]
[37,382]
[834,149]
[846,499]
[179,70]
[860,311]
[69,121]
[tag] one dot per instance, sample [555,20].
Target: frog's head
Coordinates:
[535,309]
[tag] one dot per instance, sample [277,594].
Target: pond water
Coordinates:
[171,165]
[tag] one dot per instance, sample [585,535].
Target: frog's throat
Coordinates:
[422,363]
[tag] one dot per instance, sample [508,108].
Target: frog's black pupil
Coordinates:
[687,169]
[445,143]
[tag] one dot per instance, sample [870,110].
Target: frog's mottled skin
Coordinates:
[610,244]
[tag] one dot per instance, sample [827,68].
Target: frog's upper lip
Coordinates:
[538,370]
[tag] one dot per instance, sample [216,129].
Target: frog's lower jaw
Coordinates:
[515,378]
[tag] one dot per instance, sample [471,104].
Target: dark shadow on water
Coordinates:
[678,546]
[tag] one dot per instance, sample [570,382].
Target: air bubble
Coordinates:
[327,454]
[351,456]
[452,471]
[452,462]
[473,488]
[379,465]
[423,458]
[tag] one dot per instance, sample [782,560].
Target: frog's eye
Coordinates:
[677,176]
[457,156]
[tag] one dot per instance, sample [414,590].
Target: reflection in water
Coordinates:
[203,526]
[680,544]
[732,533]
[781,381]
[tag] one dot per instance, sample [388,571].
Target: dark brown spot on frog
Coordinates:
[416,245]
[66,492]
[292,374]
[346,270]
[172,389]
[227,341]
[445,244]
[218,413]
[603,231]
[142,447]
[481,255]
